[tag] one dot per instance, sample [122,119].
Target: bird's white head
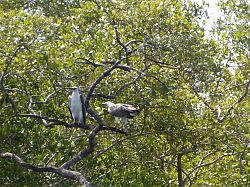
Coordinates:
[108,103]
[74,89]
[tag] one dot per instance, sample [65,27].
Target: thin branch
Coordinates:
[132,41]
[127,84]
[203,165]
[103,96]
[237,102]
[105,74]
[50,96]
[119,141]
[88,62]
[113,129]
[46,164]
[163,64]
[141,74]
[118,39]
[162,106]
[204,102]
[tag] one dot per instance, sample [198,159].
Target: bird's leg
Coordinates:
[71,132]
[117,120]
[124,123]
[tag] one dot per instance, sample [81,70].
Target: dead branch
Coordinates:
[236,102]
[88,62]
[87,151]
[92,87]
[61,171]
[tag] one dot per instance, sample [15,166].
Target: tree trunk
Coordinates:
[179,171]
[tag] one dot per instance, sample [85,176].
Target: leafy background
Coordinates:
[192,91]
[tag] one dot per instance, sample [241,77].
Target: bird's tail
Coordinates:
[133,113]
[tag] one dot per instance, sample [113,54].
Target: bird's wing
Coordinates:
[69,106]
[130,110]
[83,110]
[125,105]
[117,110]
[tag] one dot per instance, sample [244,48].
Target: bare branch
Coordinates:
[127,84]
[61,171]
[163,64]
[200,165]
[162,106]
[118,39]
[54,122]
[119,141]
[204,102]
[102,95]
[114,130]
[46,164]
[132,41]
[86,152]
[237,102]
[141,74]
[88,62]
[50,96]
[92,87]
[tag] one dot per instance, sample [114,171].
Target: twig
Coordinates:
[50,96]
[88,62]
[127,84]
[237,102]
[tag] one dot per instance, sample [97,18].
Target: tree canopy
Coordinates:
[192,91]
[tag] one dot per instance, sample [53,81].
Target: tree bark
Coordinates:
[179,171]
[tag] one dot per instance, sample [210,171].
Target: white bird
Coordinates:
[76,107]
[123,111]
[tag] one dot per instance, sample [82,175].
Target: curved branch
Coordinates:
[127,84]
[86,152]
[113,129]
[61,171]
[119,141]
[105,74]
[103,96]
[237,102]
[46,100]
[88,62]
[118,39]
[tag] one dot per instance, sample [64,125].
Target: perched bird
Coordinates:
[123,111]
[76,107]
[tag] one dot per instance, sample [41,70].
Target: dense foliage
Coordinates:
[192,91]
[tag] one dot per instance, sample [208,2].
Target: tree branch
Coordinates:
[46,100]
[86,152]
[127,84]
[92,87]
[179,171]
[119,141]
[61,171]
[237,102]
[88,62]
